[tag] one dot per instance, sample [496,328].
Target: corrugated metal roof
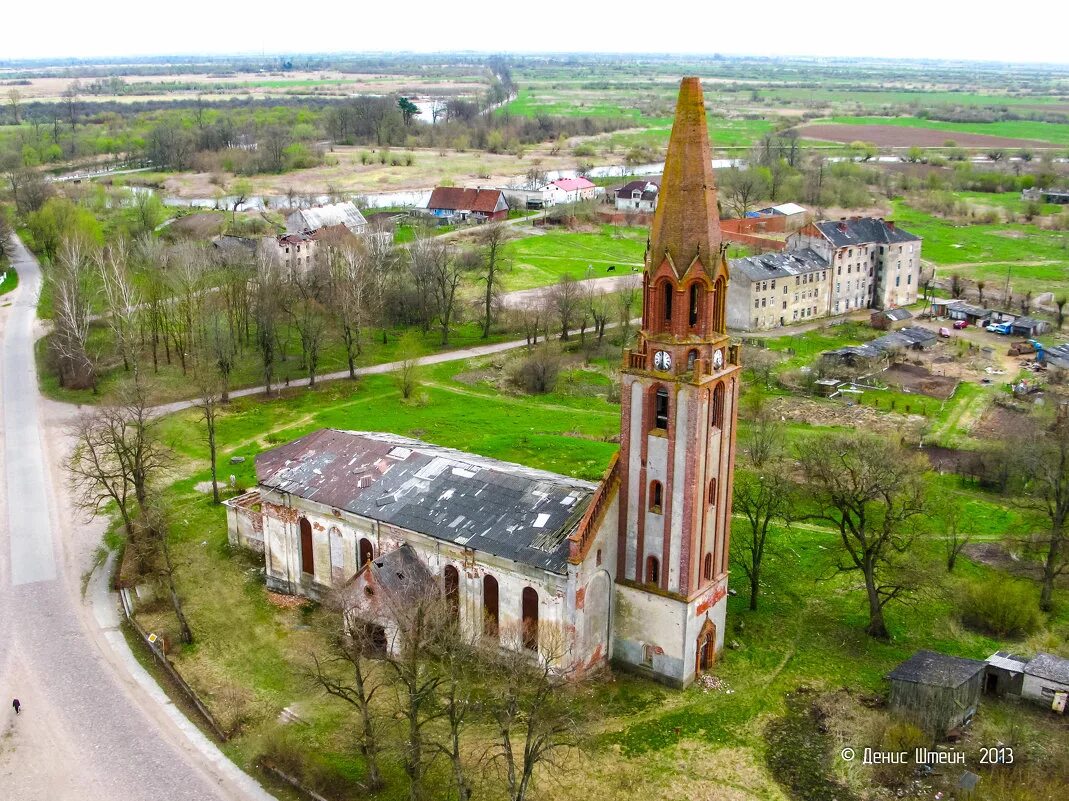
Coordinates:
[1005,661]
[484,504]
[780,264]
[346,214]
[864,231]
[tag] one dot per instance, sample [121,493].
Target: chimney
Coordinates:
[890,224]
[842,226]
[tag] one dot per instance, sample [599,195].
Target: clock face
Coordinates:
[662,360]
[718,359]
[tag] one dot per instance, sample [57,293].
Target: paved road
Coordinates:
[88,731]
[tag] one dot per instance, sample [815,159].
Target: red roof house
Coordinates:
[458,204]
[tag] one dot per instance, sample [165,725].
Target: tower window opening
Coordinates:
[660,409]
[707,568]
[717,418]
[653,570]
[656,496]
[695,298]
[666,288]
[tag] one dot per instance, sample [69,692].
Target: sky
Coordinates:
[940,29]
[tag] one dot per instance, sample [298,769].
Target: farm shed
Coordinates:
[1046,680]
[936,691]
[1005,674]
[974,315]
[1029,327]
[890,319]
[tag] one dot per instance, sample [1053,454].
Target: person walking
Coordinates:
[17,705]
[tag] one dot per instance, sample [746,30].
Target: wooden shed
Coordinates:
[936,691]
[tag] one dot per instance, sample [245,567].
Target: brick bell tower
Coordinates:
[679,392]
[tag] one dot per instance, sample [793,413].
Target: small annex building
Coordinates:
[1005,674]
[1046,681]
[890,319]
[935,691]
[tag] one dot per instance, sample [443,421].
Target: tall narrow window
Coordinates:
[367,552]
[307,556]
[717,417]
[707,571]
[712,492]
[695,299]
[660,408]
[490,616]
[530,619]
[666,288]
[451,579]
[692,359]
[656,496]
[653,570]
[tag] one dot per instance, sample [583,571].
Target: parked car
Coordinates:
[944,332]
[960,324]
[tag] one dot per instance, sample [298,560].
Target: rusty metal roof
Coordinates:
[502,508]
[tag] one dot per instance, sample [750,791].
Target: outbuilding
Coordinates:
[936,691]
[1046,680]
[1005,674]
[1029,327]
[890,319]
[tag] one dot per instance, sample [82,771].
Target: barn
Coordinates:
[936,691]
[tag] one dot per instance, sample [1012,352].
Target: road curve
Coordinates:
[88,731]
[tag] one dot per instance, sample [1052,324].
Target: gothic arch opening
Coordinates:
[667,291]
[653,570]
[366,551]
[530,619]
[490,608]
[656,497]
[694,309]
[706,652]
[660,408]
[308,564]
[716,418]
[451,579]
[707,567]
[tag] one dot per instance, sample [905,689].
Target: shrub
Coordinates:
[537,373]
[585,149]
[1002,608]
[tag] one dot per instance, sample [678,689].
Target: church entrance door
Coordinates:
[706,653]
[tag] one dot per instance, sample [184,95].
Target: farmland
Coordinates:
[908,131]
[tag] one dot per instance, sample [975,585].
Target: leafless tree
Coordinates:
[564,298]
[600,308]
[741,189]
[408,375]
[764,440]
[303,301]
[209,397]
[490,241]
[71,313]
[437,274]
[122,301]
[1042,473]
[153,543]
[355,294]
[871,491]
[351,652]
[14,99]
[765,499]
[628,298]
[534,709]
[267,287]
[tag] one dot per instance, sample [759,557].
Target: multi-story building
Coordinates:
[829,268]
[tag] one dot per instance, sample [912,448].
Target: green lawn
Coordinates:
[543,259]
[11,279]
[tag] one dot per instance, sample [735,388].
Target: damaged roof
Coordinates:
[936,670]
[1049,667]
[312,219]
[777,264]
[864,231]
[501,508]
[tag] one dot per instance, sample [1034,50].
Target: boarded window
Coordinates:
[337,556]
[530,619]
[712,492]
[307,556]
[452,590]
[707,570]
[653,570]
[490,613]
[692,359]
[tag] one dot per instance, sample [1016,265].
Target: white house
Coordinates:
[1046,681]
[570,190]
[640,196]
[311,220]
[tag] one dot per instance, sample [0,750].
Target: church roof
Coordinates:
[687,219]
[501,508]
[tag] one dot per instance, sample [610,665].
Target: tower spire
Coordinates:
[686,224]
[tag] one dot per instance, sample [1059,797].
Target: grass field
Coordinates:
[807,631]
[543,259]
[11,279]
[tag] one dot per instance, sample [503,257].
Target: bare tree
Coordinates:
[489,241]
[765,499]
[955,540]
[438,272]
[533,708]
[408,375]
[355,294]
[870,491]
[154,544]
[764,440]
[303,302]
[741,189]
[209,396]
[14,99]
[121,298]
[600,308]
[266,290]
[71,314]
[1042,472]
[564,299]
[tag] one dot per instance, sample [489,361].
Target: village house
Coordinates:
[890,319]
[776,289]
[793,214]
[632,569]
[571,190]
[637,196]
[450,205]
[935,691]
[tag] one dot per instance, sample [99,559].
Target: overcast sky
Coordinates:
[947,29]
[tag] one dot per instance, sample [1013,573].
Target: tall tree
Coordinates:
[490,241]
[870,491]
[564,299]
[72,312]
[765,499]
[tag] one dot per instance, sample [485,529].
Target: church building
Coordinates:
[632,570]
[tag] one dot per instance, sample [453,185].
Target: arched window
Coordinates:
[653,570]
[717,417]
[660,408]
[667,290]
[367,551]
[451,579]
[597,558]
[656,496]
[695,305]
[530,619]
[712,492]
[692,359]
[490,616]
[707,571]
[719,295]
[308,564]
